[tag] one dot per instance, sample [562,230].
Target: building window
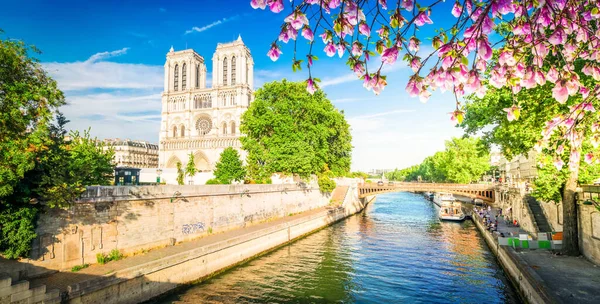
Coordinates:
[183,77]
[224,128]
[247,69]
[197,76]
[182,131]
[176,83]
[233,70]
[225,71]
[233,127]
[204,125]
[174,131]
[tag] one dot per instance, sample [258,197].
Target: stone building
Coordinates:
[201,120]
[133,153]
[520,168]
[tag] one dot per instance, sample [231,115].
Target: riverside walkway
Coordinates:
[563,279]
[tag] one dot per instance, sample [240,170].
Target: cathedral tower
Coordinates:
[199,119]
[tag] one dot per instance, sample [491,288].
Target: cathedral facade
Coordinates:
[201,120]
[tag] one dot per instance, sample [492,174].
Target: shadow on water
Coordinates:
[395,251]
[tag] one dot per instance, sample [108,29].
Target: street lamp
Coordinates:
[158,172]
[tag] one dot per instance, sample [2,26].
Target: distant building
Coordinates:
[133,153]
[521,168]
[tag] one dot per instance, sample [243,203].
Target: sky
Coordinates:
[108,56]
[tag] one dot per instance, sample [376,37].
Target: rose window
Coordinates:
[203,125]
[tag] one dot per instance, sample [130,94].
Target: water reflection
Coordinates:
[396,251]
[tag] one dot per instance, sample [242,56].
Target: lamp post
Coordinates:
[158,172]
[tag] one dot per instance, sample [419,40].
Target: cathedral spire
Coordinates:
[171,50]
[239,38]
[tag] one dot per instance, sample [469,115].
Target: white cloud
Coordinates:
[352,77]
[208,26]
[382,114]
[103,55]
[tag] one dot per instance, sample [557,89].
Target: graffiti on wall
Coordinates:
[192,228]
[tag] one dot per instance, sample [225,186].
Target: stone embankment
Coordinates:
[275,215]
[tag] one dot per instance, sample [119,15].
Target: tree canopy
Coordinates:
[39,165]
[230,167]
[463,161]
[288,130]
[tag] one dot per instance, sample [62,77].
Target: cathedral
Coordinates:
[198,119]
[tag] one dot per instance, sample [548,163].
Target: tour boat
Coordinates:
[451,211]
[441,197]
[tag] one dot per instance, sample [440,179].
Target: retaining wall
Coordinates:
[20,292]
[514,199]
[134,219]
[589,232]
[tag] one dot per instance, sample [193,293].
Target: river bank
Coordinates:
[142,277]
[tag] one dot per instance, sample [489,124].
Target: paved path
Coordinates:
[569,279]
[62,280]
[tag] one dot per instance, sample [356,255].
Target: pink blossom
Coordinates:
[357,50]
[413,87]
[569,122]
[378,83]
[258,4]
[423,18]
[574,159]
[310,60]
[307,33]
[364,29]
[457,116]
[552,75]
[559,163]
[424,96]
[383,4]
[341,48]
[560,92]
[359,68]
[407,4]
[367,82]
[287,33]
[353,14]
[330,49]
[326,36]
[413,44]
[513,113]
[456,9]
[560,149]
[528,80]
[415,64]
[588,106]
[481,65]
[589,158]
[483,49]
[274,52]
[558,37]
[335,3]
[539,78]
[390,55]
[383,32]
[297,20]
[311,86]
[276,6]
[506,58]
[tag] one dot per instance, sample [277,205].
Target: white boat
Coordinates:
[441,197]
[451,211]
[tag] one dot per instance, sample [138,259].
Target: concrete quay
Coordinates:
[143,277]
[541,276]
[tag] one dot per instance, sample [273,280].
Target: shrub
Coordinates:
[213,181]
[326,184]
[101,258]
[76,268]
[115,255]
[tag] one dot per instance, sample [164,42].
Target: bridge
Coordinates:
[482,191]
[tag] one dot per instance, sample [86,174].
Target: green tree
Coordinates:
[485,115]
[230,167]
[291,131]
[190,168]
[180,174]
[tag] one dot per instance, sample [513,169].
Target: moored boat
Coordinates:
[451,211]
[441,197]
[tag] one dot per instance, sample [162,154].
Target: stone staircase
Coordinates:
[538,214]
[21,292]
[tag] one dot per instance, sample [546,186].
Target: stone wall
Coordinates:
[589,232]
[135,219]
[514,199]
[21,292]
[554,215]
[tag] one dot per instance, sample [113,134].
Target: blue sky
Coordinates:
[108,58]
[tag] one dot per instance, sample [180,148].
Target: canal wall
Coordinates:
[527,282]
[513,203]
[148,280]
[134,220]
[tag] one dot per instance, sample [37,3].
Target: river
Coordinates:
[396,251]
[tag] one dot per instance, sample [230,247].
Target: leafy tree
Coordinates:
[180,174]
[230,167]
[290,131]
[190,168]
[537,106]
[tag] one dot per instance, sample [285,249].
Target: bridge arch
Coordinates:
[481,191]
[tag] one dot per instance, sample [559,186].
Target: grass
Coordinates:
[114,255]
[76,268]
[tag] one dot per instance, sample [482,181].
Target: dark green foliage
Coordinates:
[213,181]
[37,165]
[180,174]
[290,131]
[190,168]
[76,268]
[230,167]
[114,255]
